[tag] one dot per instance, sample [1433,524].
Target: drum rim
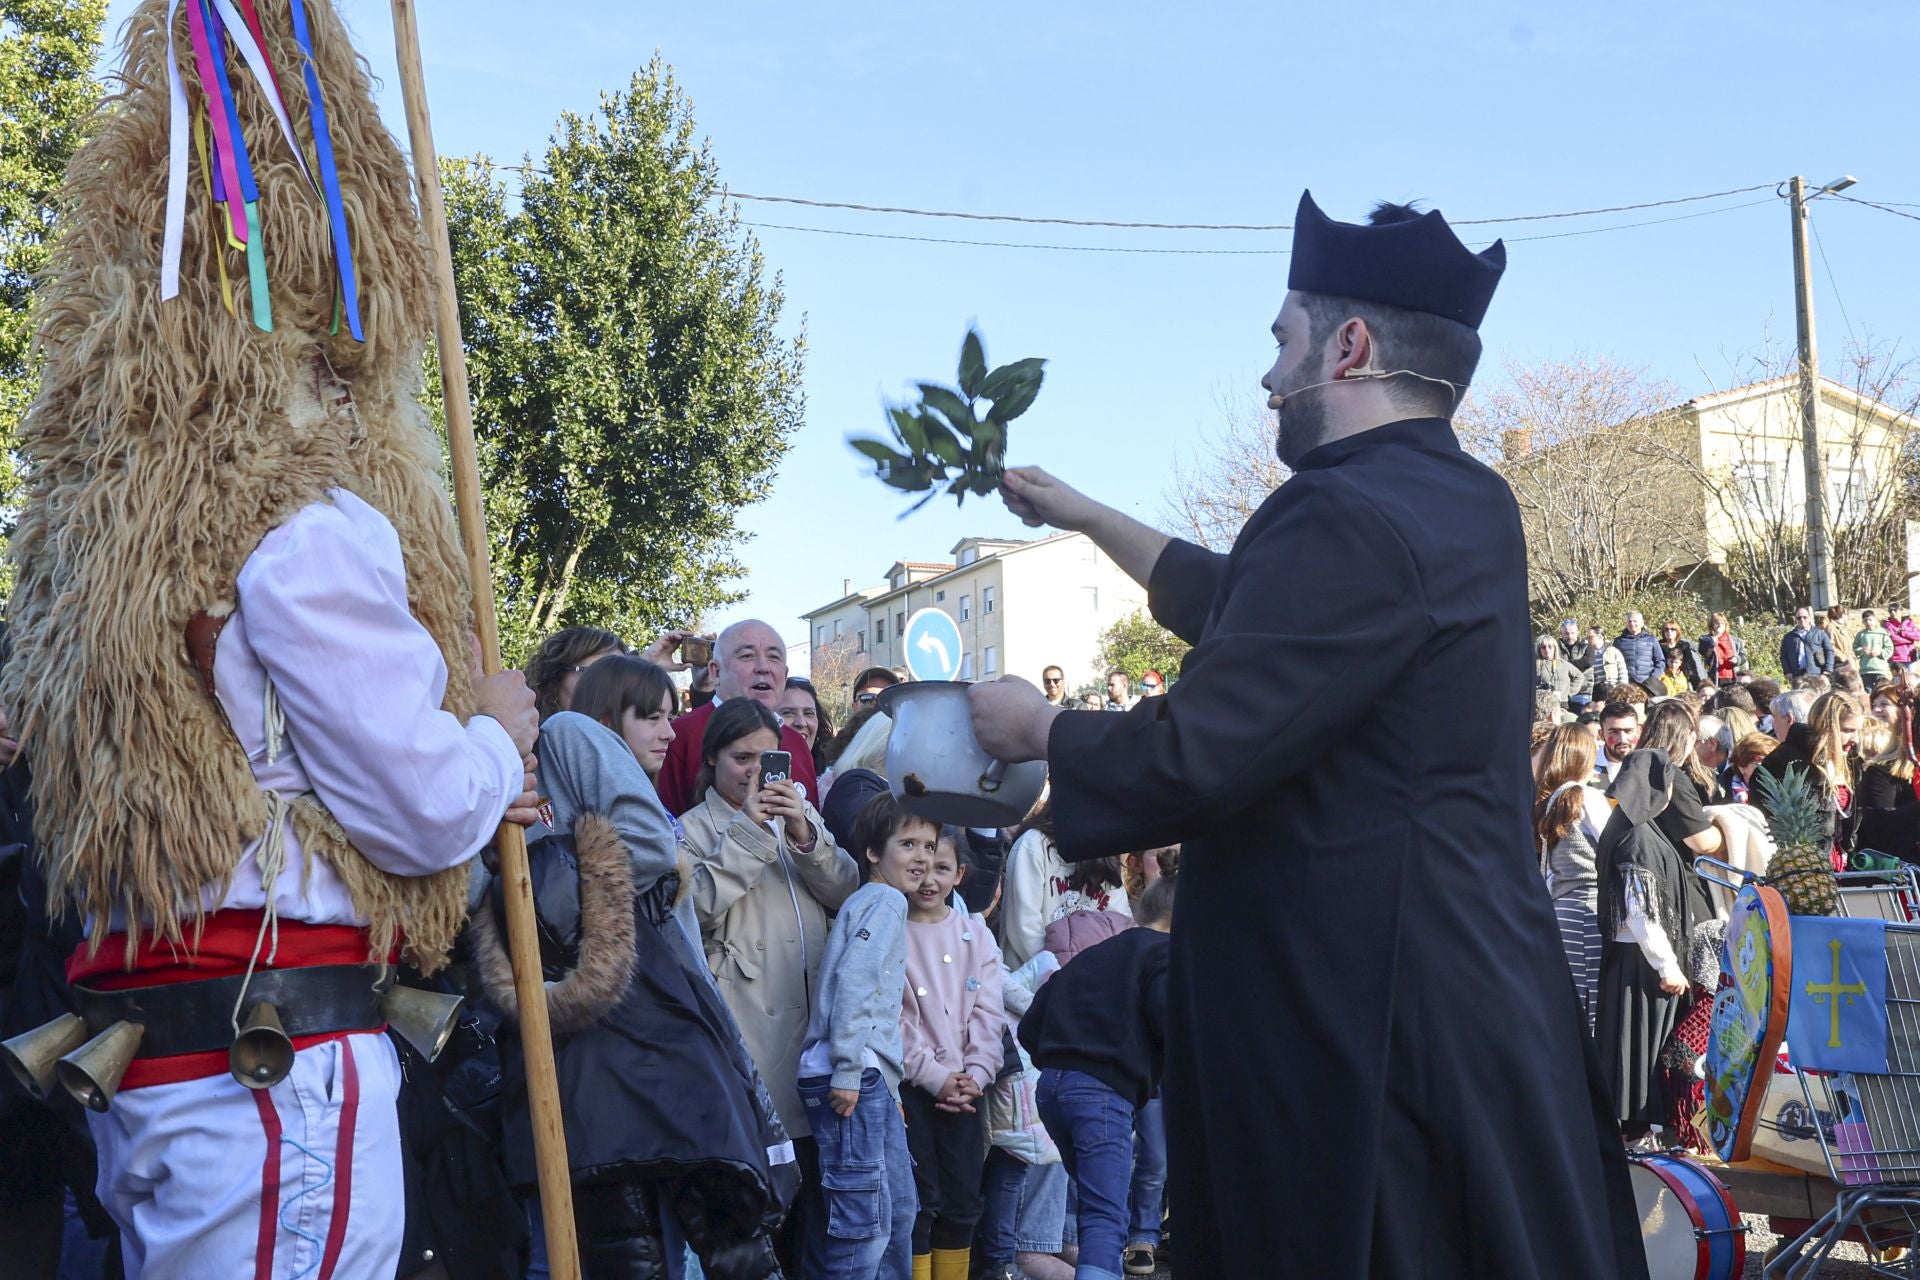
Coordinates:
[1662,1165]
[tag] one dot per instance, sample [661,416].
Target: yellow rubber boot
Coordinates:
[922,1266]
[950,1264]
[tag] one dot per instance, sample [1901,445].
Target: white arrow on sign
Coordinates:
[931,644]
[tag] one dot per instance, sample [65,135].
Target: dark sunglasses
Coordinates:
[864,698]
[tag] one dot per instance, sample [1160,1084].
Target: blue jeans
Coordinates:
[1146,1203]
[1000,1184]
[866,1182]
[1093,1127]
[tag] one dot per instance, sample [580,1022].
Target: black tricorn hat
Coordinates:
[1417,263]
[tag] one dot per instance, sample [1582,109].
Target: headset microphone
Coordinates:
[1354,375]
[1362,373]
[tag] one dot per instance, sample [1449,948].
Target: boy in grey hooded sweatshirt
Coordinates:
[850,1069]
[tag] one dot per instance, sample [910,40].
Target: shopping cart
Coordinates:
[1868,1126]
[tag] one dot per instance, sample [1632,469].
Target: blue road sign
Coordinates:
[933,645]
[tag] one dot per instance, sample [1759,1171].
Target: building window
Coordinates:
[880,629]
[986,600]
[823,636]
[1847,487]
[1754,483]
[900,624]
[968,556]
[836,628]
[860,642]
[939,597]
[991,659]
[966,607]
[966,666]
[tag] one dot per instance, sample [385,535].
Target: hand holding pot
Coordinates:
[1011,718]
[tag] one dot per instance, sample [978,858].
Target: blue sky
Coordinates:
[1214,113]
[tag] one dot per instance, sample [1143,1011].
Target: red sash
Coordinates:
[223,949]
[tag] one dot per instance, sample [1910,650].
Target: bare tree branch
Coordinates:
[1212,498]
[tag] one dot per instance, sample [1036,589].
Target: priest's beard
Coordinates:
[1302,417]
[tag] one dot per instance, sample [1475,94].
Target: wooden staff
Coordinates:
[536,1037]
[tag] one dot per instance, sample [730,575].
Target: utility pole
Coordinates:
[1820,591]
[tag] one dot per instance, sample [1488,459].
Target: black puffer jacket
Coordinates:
[654,1079]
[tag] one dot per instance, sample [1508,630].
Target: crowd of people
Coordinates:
[1651,751]
[897,1072]
[936,1088]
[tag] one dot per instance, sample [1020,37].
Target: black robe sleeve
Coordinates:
[1181,588]
[1322,608]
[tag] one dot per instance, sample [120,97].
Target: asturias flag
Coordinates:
[1837,1018]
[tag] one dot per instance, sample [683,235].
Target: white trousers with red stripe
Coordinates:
[208,1178]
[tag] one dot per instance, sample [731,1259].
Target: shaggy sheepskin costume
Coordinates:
[167,439]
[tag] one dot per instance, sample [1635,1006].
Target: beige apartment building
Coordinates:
[1021,606]
[1684,491]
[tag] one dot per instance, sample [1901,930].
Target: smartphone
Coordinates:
[696,651]
[775,766]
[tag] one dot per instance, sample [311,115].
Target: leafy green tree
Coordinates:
[631,391]
[47,91]
[1137,644]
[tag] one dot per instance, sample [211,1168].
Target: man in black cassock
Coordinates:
[1376,1063]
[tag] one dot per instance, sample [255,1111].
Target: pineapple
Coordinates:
[1802,869]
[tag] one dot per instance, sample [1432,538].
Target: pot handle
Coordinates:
[996,774]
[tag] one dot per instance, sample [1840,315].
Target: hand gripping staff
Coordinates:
[536,1037]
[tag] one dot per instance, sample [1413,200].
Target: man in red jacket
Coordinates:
[749,661]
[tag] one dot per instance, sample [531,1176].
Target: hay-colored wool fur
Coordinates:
[607,947]
[166,440]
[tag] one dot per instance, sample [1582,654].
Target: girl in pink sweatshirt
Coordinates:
[952,1028]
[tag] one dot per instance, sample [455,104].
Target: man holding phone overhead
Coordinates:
[749,661]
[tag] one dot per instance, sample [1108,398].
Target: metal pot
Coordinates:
[938,769]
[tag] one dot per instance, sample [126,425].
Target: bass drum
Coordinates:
[1687,1220]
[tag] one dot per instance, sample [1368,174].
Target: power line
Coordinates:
[1146,226]
[1013,244]
[1087,248]
[1217,226]
[1833,283]
[1650,222]
[1884,208]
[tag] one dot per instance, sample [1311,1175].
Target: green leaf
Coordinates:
[973,364]
[876,450]
[913,431]
[943,400]
[1013,388]
[997,383]
[902,418]
[943,444]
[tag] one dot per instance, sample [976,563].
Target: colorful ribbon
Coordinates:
[224,159]
[349,295]
[246,205]
[215,200]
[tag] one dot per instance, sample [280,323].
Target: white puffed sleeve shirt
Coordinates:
[322,614]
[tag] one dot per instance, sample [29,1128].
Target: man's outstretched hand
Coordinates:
[1039,499]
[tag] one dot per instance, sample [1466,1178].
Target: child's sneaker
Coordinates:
[1138,1259]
